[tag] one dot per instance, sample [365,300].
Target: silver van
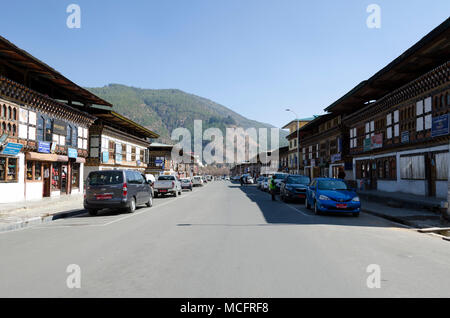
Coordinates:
[116,189]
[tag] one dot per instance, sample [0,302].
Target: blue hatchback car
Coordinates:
[332,195]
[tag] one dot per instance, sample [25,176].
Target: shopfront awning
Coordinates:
[46,157]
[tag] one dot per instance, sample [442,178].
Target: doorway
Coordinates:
[47,178]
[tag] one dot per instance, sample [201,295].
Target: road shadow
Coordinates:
[279,212]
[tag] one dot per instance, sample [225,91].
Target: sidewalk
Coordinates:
[417,218]
[18,215]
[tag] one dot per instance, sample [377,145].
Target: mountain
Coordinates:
[163,110]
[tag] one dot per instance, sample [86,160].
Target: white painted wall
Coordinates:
[14,192]
[34,190]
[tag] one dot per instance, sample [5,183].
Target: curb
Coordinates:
[390,218]
[40,220]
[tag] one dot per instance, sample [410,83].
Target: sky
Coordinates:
[256,57]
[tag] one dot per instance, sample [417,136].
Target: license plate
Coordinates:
[162,190]
[341,206]
[103,196]
[301,195]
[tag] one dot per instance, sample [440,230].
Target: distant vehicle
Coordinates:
[332,195]
[294,187]
[197,181]
[279,176]
[249,180]
[186,183]
[167,184]
[204,179]
[227,178]
[265,184]
[259,181]
[209,178]
[116,189]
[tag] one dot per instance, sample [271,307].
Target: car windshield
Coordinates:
[105,178]
[185,180]
[331,185]
[298,180]
[166,178]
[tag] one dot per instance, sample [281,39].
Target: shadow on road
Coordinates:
[278,212]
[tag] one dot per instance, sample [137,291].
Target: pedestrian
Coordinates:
[242,180]
[272,188]
[341,174]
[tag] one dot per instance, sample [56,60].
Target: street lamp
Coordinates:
[298,140]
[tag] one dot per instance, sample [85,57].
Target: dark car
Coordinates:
[116,189]
[294,187]
[186,183]
[332,195]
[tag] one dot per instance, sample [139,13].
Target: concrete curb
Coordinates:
[40,220]
[390,217]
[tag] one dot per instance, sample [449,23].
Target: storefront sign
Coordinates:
[405,137]
[44,147]
[72,153]
[105,156]
[12,149]
[376,141]
[440,126]
[59,127]
[336,157]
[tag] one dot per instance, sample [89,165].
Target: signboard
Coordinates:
[405,137]
[336,157]
[105,156]
[367,144]
[376,141]
[53,148]
[72,153]
[44,147]
[12,149]
[159,161]
[59,127]
[440,126]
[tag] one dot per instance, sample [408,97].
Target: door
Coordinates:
[47,178]
[64,179]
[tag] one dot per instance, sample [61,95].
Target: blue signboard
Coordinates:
[44,147]
[440,126]
[72,153]
[336,157]
[105,156]
[159,161]
[12,149]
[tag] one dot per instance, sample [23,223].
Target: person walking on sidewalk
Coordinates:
[272,187]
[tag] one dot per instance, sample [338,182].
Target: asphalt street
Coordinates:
[223,240]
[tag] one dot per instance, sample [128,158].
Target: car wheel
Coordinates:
[156,195]
[316,209]
[150,201]
[93,212]
[175,194]
[307,206]
[132,206]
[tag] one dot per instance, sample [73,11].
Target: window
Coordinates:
[412,167]
[34,171]
[441,166]
[40,128]
[75,175]
[48,130]
[8,169]
[111,148]
[69,135]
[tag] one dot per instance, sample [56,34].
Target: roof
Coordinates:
[299,120]
[111,117]
[430,52]
[317,121]
[43,76]
[157,144]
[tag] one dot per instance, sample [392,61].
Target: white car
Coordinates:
[227,178]
[265,184]
[167,184]
[197,181]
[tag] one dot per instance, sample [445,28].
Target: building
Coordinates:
[293,141]
[43,128]
[324,147]
[398,122]
[283,153]
[160,159]
[116,142]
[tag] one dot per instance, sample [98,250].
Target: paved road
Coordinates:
[222,241]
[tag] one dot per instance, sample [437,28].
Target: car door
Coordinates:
[309,191]
[141,188]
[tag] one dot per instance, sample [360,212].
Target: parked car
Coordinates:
[116,189]
[265,184]
[294,187]
[259,181]
[249,180]
[204,179]
[186,183]
[279,176]
[197,181]
[167,184]
[332,195]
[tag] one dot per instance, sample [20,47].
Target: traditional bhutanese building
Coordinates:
[43,128]
[116,142]
[398,121]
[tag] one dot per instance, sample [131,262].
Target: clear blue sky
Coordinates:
[256,57]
